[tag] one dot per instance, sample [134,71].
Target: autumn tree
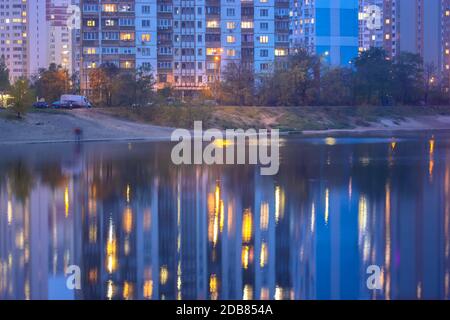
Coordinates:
[4,78]
[102,81]
[237,85]
[22,96]
[51,83]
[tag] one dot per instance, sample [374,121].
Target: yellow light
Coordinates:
[66,201]
[330,141]
[148,289]
[127,220]
[264,255]
[163,275]
[128,290]
[245,256]
[213,286]
[247,226]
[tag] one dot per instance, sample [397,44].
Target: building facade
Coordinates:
[328,28]
[187,43]
[35,34]
[13,36]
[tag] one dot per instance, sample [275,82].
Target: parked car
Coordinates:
[40,105]
[62,105]
[76,101]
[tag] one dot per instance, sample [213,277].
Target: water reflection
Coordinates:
[141,228]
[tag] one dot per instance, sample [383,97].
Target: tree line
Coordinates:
[371,79]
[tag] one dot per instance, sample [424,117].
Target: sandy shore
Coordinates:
[59,127]
[418,123]
[46,127]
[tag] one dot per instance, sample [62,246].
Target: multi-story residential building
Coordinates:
[13,36]
[415,26]
[445,41]
[122,33]
[34,34]
[188,43]
[326,28]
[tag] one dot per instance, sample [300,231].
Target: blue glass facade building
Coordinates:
[328,28]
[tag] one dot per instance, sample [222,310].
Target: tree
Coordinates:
[373,76]
[237,86]
[407,75]
[4,78]
[295,84]
[336,87]
[22,96]
[51,83]
[102,82]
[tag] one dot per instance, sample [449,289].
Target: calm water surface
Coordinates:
[141,228]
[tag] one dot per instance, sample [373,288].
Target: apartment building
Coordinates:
[13,36]
[415,26]
[328,28]
[188,43]
[36,33]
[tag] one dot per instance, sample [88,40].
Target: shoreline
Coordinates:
[59,127]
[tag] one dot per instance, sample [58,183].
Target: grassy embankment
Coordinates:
[283,118]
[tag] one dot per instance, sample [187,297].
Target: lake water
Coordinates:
[139,227]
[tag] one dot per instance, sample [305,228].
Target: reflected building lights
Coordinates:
[327,205]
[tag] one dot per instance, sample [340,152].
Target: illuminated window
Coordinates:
[212,24]
[110,7]
[387,36]
[145,37]
[90,23]
[247,24]
[90,50]
[280,52]
[231,25]
[126,36]
[231,39]
[263,39]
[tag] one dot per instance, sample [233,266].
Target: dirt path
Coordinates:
[59,127]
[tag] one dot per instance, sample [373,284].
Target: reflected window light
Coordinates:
[148,289]
[213,287]
[264,216]
[247,226]
[248,292]
[128,289]
[163,275]
[263,255]
[327,205]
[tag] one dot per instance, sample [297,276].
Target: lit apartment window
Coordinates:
[246,24]
[126,36]
[110,23]
[231,25]
[231,52]
[212,24]
[280,52]
[110,7]
[90,23]
[145,37]
[263,39]
[212,51]
[387,36]
[90,50]
[231,39]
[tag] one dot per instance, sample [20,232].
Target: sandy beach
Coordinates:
[60,127]
[47,127]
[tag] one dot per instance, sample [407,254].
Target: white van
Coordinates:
[75,101]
